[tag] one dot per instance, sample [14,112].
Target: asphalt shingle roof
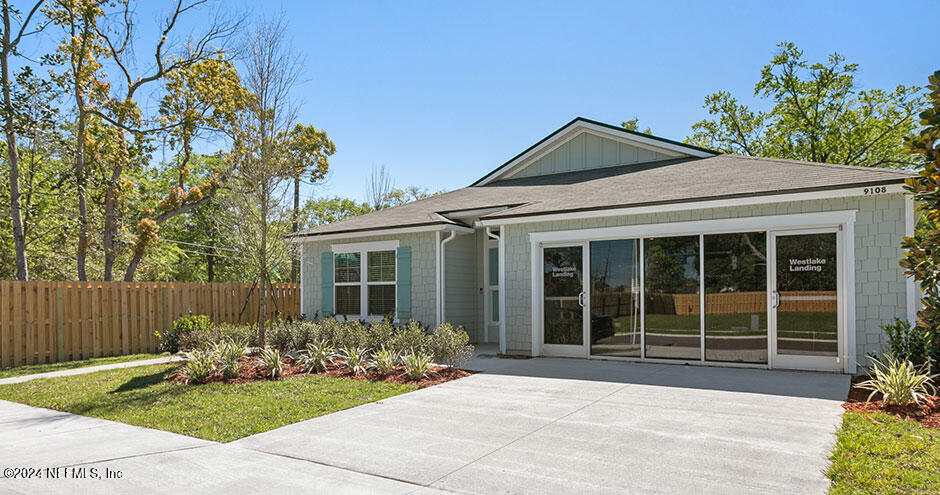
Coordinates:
[645,184]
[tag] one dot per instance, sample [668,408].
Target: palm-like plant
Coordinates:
[899,381]
[385,361]
[319,356]
[417,366]
[357,359]
[227,353]
[271,360]
[198,366]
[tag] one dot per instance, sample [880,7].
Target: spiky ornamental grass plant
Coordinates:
[386,361]
[227,353]
[357,359]
[271,360]
[899,381]
[417,366]
[319,356]
[198,366]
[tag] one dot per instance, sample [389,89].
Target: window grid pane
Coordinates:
[348,300]
[382,299]
[381,266]
[347,267]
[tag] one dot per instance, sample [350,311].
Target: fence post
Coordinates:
[59,327]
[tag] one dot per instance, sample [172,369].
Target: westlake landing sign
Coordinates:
[807,264]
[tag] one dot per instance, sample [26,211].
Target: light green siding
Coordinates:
[880,286]
[460,276]
[587,151]
[423,294]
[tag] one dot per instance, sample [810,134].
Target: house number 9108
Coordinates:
[876,190]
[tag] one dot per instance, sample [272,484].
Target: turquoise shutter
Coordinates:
[326,283]
[403,289]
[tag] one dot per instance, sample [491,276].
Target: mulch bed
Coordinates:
[251,370]
[927,413]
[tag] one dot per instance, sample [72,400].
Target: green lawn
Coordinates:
[891,456]
[67,365]
[216,411]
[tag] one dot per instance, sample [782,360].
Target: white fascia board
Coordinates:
[724,225]
[355,247]
[693,205]
[580,127]
[380,232]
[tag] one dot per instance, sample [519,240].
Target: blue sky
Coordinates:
[441,92]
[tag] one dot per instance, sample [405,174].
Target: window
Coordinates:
[373,295]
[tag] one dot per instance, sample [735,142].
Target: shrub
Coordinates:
[219,332]
[417,366]
[271,360]
[411,338]
[349,334]
[182,328]
[227,354]
[198,366]
[289,336]
[450,346]
[319,356]
[908,342]
[379,334]
[356,359]
[899,381]
[385,361]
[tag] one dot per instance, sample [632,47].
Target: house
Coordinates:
[598,242]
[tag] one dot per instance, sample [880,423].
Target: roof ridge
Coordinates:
[839,166]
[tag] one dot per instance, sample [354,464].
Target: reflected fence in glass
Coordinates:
[615,298]
[672,301]
[736,297]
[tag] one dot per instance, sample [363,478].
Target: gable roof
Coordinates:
[581,124]
[676,181]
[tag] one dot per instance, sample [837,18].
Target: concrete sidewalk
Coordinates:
[522,426]
[89,369]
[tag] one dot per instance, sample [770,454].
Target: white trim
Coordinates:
[443,257]
[578,127]
[502,289]
[378,232]
[913,292]
[437,278]
[475,212]
[693,205]
[742,224]
[848,300]
[355,247]
[536,271]
[302,280]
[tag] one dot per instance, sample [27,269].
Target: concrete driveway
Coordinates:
[523,426]
[575,426]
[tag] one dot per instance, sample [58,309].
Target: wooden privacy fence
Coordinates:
[47,322]
[723,303]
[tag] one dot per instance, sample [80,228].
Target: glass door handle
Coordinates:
[776,299]
[581,299]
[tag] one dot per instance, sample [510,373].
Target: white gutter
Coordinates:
[440,278]
[377,232]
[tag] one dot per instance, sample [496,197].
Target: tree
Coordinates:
[922,251]
[322,211]
[260,159]
[378,188]
[309,150]
[818,113]
[634,125]
[9,42]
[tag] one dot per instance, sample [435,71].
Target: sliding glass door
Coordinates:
[672,298]
[615,298]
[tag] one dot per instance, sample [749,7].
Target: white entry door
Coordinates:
[806,316]
[565,306]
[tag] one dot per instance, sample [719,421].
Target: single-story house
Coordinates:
[599,242]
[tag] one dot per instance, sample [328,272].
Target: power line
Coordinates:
[200,245]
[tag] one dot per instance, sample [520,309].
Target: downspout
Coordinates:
[441,316]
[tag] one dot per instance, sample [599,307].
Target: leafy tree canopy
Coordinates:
[818,112]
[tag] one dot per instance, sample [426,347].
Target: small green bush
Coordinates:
[385,361]
[170,340]
[271,360]
[411,338]
[198,365]
[319,356]
[450,346]
[909,342]
[219,332]
[900,382]
[417,366]
[379,334]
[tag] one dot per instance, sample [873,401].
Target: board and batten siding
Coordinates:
[880,285]
[422,273]
[460,284]
[587,151]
